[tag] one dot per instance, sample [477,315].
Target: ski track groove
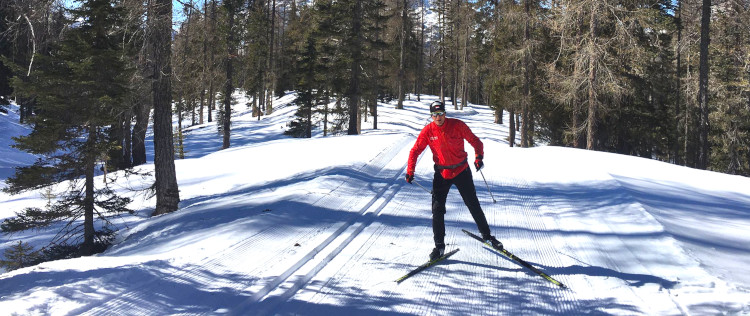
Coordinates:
[642,268]
[137,300]
[605,260]
[134,293]
[264,299]
[430,280]
[530,243]
[361,253]
[271,303]
[370,237]
[536,246]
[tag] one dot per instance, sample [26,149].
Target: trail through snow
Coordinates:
[282,226]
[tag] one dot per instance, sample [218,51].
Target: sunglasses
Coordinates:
[439,113]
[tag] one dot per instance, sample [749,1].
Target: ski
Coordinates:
[425,266]
[513,257]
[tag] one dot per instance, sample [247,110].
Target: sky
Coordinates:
[282,226]
[177,10]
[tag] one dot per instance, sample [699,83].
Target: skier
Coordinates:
[445,136]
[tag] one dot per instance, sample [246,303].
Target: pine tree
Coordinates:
[78,90]
[19,256]
[287,61]
[730,91]
[404,32]
[306,96]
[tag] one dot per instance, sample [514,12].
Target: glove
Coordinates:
[478,162]
[409,177]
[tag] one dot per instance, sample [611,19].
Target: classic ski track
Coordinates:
[325,289]
[136,300]
[263,301]
[615,263]
[457,213]
[541,251]
[357,251]
[634,253]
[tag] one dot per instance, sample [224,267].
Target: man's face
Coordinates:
[438,117]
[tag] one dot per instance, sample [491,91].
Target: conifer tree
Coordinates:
[729,134]
[79,89]
[306,94]
[289,39]
[160,40]
[231,8]
[404,33]
[19,256]
[703,96]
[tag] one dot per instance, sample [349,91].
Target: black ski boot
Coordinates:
[493,242]
[437,252]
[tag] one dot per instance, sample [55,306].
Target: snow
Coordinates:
[277,225]
[11,158]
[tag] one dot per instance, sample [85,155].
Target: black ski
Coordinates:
[513,257]
[425,266]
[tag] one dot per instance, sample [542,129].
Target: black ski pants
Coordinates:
[465,184]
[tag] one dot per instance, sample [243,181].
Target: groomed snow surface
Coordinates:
[323,226]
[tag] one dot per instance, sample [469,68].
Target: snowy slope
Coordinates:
[320,226]
[10,157]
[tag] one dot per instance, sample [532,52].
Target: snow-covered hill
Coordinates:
[11,158]
[276,225]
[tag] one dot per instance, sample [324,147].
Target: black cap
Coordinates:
[437,106]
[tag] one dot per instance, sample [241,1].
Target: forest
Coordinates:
[660,79]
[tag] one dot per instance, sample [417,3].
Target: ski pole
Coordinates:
[423,188]
[488,186]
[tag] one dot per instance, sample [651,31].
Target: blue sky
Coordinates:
[176,8]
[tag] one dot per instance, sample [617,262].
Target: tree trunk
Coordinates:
[401,65]
[188,93]
[498,116]
[205,70]
[354,89]
[180,151]
[678,92]
[167,193]
[441,29]
[526,99]
[271,71]
[374,113]
[127,149]
[465,77]
[593,102]
[228,89]
[211,59]
[577,141]
[703,85]
[308,128]
[512,128]
[326,101]
[142,115]
[87,248]
[420,58]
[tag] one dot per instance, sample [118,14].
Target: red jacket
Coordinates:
[447,145]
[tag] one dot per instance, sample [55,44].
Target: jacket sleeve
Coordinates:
[472,139]
[417,150]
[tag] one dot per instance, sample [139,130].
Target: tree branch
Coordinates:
[33,44]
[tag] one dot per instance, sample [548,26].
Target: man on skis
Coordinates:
[445,136]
